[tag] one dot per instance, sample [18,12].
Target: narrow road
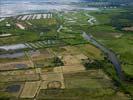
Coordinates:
[110,55]
[58,30]
[91,20]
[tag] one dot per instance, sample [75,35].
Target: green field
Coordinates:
[62,36]
[87,85]
[119,41]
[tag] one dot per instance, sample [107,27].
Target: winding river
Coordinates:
[110,55]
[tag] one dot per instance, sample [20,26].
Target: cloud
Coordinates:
[23,7]
[16,7]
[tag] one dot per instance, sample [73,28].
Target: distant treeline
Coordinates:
[108,3]
[111,1]
[124,19]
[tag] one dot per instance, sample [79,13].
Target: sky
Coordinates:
[58,1]
[15,7]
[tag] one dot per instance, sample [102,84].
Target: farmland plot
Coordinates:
[81,56]
[2,19]
[44,16]
[18,75]
[41,44]
[31,45]
[19,18]
[49,15]
[19,78]
[39,16]
[51,77]
[11,88]
[70,60]
[29,17]
[42,54]
[20,26]
[70,68]
[90,85]
[28,23]
[15,65]
[30,89]
[34,16]
[24,17]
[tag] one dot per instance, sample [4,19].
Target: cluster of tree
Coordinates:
[110,1]
[57,61]
[107,3]
[92,64]
[124,19]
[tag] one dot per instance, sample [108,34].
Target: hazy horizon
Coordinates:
[15,7]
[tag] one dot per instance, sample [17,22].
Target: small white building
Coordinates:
[7,24]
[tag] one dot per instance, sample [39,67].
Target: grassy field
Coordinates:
[31,33]
[92,85]
[118,41]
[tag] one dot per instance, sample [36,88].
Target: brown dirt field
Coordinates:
[35,53]
[20,26]
[71,50]
[18,72]
[81,56]
[70,68]
[38,70]
[54,84]
[70,60]
[7,87]
[90,51]
[73,68]
[67,50]
[20,78]
[12,65]
[50,77]
[128,28]
[21,59]
[44,84]
[82,51]
[58,70]
[18,75]
[30,89]
[73,59]
[44,54]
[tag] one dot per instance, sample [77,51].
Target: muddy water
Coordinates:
[13,47]
[14,55]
